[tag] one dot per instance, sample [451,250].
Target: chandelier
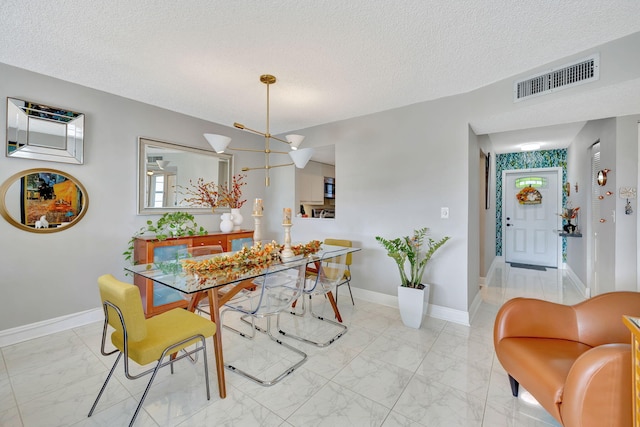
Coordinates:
[300,157]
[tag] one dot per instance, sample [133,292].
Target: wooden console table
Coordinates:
[146,250]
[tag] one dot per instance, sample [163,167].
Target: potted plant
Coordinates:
[171,224]
[418,252]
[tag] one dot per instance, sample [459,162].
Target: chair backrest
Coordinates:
[341,242]
[330,272]
[599,319]
[277,290]
[127,298]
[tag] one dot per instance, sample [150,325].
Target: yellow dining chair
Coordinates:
[346,279]
[148,340]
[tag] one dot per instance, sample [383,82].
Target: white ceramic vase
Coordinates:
[226,225]
[411,303]
[237,218]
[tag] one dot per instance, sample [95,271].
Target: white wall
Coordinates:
[579,257]
[616,263]
[626,175]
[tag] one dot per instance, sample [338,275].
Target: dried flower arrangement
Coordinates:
[203,193]
[210,194]
[231,195]
[247,259]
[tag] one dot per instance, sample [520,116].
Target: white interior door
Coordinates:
[531,230]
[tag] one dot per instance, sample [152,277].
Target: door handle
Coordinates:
[508,225]
[508,218]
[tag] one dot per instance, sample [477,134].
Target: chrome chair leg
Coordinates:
[160,365]
[343,329]
[283,374]
[169,351]
[113,368]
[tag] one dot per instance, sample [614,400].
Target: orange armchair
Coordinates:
[575,360]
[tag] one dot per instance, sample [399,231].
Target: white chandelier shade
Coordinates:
[218,142]
[301,157]
[162,164]
[295,141]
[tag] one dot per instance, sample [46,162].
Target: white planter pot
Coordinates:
[411,303]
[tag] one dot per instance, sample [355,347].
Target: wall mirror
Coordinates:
[42,132]
[43,200]
[602,177]
[165,170]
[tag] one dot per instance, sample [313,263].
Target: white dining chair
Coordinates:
[275,291]
[330,272]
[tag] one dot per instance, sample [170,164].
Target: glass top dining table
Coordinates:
[207,285]
[172,274]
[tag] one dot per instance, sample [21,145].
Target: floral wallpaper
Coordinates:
[527,160]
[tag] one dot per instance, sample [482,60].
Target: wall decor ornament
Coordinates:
[529,196]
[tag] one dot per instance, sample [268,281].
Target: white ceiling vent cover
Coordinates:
[574,74]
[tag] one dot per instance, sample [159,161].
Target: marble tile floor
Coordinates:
[380,373]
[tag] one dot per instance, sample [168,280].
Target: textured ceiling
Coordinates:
[333,59]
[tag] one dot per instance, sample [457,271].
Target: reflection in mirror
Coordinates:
[316,185]
[41,132]
[165,168]
[43,200]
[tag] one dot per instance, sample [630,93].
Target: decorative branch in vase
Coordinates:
[201,193]
[231,195]
[569,213]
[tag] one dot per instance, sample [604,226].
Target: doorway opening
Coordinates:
[531,201]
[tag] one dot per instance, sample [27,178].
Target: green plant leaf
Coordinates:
[412,250]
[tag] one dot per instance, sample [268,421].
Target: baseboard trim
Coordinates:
[475,306]
[50,326]
[432,310]
[581,287]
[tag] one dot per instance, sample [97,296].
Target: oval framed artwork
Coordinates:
[43,200]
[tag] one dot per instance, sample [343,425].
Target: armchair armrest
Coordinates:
[526,317]
[598,391]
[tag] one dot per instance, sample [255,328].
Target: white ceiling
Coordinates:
[334,59]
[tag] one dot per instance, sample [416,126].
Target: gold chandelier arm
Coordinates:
[279,139]
[245,169]
[243,127]
[246,149]
[257,132]
[253,150]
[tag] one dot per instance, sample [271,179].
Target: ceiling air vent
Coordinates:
[574,74]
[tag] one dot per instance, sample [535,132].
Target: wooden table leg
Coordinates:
[214,309]
[217,337]
[335,306]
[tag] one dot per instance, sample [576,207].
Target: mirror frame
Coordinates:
[4,212]
[23,115]
[143,142]
[602,177]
